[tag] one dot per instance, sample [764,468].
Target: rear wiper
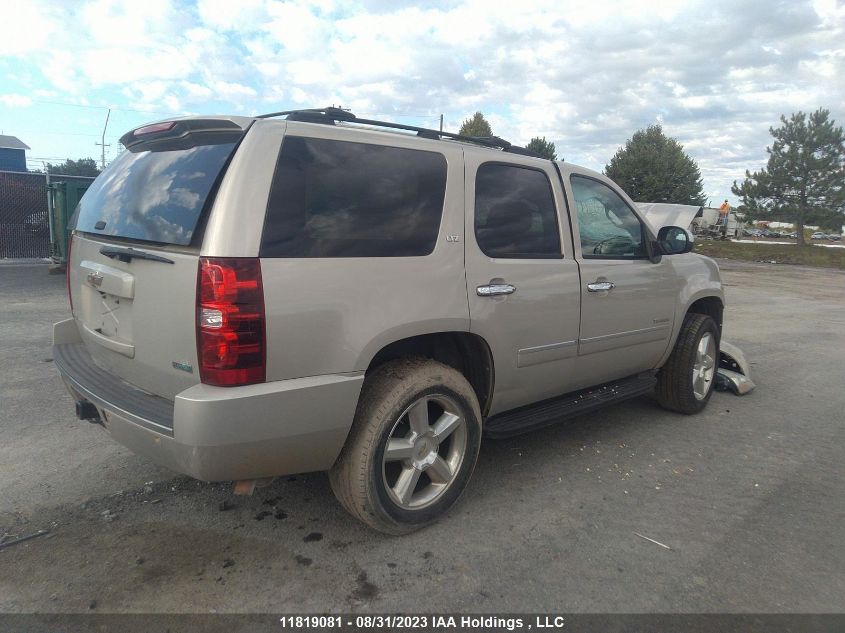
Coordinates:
[128,254]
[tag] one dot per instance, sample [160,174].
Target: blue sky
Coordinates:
[585,75]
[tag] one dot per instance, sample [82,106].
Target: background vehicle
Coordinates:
[254,297]
[818,235]
[36,223]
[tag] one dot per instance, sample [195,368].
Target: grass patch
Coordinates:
[809,255]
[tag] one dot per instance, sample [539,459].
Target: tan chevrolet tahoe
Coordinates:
[260,296]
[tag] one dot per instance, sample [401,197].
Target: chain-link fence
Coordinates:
[24,225]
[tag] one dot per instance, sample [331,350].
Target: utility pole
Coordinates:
[103,141]
[49,206]
[441,122]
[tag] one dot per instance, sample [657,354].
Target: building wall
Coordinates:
[12,159]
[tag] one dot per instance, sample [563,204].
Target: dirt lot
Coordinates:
[748,496]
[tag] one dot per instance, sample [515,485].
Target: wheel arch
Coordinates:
[711,306]
[707,301]
[467,352]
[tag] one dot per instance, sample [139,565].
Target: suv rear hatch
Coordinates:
[132,274]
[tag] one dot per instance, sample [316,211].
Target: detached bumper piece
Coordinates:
[734,373]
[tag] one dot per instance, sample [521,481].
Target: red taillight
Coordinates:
[230,322]
[67,271]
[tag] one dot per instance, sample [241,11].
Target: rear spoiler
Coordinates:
[177,129]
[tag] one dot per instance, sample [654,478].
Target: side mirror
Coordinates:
[674,240]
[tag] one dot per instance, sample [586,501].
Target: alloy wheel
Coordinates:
[424,452]
[704,366]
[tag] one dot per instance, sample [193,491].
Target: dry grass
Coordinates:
[809,255]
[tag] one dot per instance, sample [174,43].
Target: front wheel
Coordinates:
[412,447]
[685,382]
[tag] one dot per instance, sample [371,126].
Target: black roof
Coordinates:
[331,115]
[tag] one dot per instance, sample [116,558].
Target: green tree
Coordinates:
[804,177]
[476,125]
[541,146]
[653,167]
[81,167]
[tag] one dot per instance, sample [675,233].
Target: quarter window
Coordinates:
[607,226]
[515,213]
[341,199]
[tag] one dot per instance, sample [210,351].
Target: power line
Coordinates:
[96,107]
[55,133]
[40,158]
[401,116]
[421,115]
[410,115]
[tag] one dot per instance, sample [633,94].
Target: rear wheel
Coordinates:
[412,447]
[685,382]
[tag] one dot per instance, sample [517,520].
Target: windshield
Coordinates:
[153,195]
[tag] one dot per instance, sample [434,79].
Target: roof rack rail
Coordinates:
[332,114]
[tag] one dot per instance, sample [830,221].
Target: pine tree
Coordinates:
[541,146]
[653,167]
[476,125]
[805,174]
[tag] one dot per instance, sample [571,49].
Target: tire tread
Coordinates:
[674,384]
[349,477]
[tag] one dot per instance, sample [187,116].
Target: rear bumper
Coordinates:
[216,433]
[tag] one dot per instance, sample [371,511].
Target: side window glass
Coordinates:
[344,199]
[607,226]
[515,213]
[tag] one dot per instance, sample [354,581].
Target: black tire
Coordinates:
[674,389]
[357,476]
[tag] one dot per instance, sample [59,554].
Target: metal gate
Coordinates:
[24,225]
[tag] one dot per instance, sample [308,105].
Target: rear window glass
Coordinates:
[155,196]
[342,199]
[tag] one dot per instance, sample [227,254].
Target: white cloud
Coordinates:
[149,91]
[231,91]
[226,15]
[295,28]
[716,73]
[26,28]
[120,66]
[128,24]
[195,91]
[15,100]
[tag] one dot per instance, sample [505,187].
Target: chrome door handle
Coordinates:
[599,286]
[492,290]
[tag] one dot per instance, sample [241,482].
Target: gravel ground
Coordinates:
[747,496]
